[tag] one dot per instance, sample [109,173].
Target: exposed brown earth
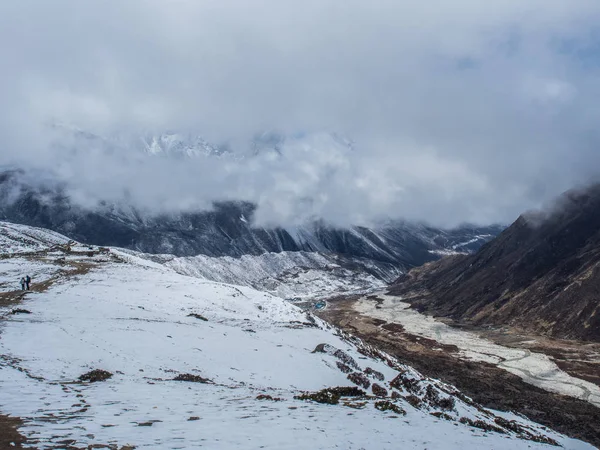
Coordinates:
[485,383]
[9,436]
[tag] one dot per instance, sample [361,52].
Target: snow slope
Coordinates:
[132,318]
[15,238]
[289,275]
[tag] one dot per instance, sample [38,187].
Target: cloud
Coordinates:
[459,111]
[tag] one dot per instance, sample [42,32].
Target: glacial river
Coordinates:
[534,368]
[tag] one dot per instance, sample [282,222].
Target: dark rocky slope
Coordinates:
[226,230]
[542,274]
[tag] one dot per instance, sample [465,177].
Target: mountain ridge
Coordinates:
[542,274]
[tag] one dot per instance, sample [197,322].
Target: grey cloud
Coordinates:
[460,111]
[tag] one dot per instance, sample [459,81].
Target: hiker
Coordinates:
[27,281]
[22,283]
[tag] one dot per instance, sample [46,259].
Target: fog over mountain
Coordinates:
[443,112]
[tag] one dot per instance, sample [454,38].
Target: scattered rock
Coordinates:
[379,391]
[192,418]
[198,316]
[191,378]
[359,379]
[20,311]
[323,348]
[95,376]
[384,405]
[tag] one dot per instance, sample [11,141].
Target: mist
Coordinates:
[442,112]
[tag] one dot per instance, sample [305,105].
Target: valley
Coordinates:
[149,317]
[112,350]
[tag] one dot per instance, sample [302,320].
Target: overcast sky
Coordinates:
[463,110]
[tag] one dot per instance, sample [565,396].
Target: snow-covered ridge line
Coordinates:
[15,238]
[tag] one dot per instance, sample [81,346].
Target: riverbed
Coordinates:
[534,368]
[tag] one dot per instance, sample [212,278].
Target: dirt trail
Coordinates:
[13,298]
[9,434]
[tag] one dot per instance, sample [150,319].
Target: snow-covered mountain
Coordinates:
[112,349]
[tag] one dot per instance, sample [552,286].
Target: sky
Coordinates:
[462,111]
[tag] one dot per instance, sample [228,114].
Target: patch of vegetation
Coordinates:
[433,397]
[509,425]
[513,426]
[198,316]
[384,405]
[414,401]
[355,405]
[20,311]
[402,381]
[269,397]
[481,425]
[96,375]
[374,374]
[379,391]
[441,415]
[345,358]
[343,367]
[359,379]
[325,396]
[191,378]
[145,424]
[541,439]
[348,391]
[331,396]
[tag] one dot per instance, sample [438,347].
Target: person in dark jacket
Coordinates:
[27,281]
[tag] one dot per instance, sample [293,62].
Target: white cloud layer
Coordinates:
[460,111]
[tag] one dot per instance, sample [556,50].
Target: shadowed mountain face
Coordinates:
[227,230]
[542,274]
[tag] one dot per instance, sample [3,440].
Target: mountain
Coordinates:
[110,350]
[226,230]
[541,275]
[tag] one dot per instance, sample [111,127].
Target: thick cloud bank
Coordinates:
[457,111]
